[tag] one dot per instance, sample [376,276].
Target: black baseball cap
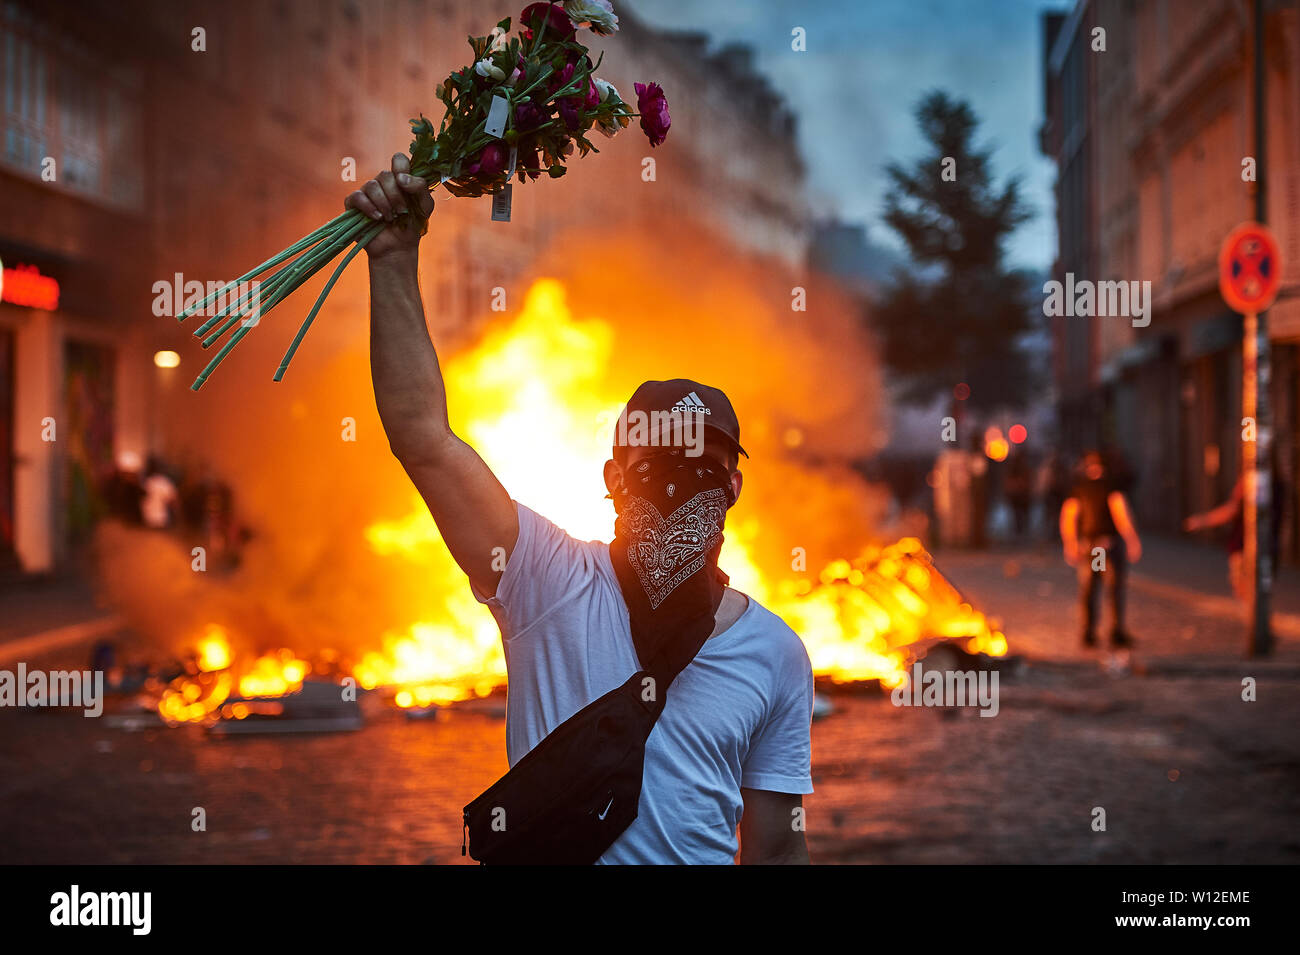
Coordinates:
[682,396]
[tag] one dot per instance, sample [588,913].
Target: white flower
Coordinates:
[605,88]
[499,41]
[598,15]
[486,68]
[617,117]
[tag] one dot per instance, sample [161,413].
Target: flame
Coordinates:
[197,697]
[214,649]
[538,409]
[542,422]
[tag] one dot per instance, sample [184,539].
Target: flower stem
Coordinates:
[265,287]
[304,242]
[280,284]
[287,280]
[362,242]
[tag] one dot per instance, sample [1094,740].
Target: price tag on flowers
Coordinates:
[528,102]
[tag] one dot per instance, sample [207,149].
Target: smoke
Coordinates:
[313,476]
[805,383]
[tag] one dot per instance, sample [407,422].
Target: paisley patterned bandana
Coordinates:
[671,511]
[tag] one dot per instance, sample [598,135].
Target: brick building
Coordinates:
[167,159]
[1149,137]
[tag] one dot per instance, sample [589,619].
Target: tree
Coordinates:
[957,314]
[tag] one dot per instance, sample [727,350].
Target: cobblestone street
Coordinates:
[1186,771]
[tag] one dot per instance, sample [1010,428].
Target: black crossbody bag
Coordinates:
[576,791]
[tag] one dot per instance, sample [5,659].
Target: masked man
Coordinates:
[732,747]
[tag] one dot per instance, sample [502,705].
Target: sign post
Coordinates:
[1250,272]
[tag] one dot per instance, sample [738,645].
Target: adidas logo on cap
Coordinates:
[691,402]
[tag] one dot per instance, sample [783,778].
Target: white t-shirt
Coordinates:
[738,715]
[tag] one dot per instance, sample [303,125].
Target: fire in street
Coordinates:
[863,617]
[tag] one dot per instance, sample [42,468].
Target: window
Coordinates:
[65,104]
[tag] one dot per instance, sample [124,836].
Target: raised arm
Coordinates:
[474,514]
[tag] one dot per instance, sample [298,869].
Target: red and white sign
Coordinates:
[25,285]
[1250,268]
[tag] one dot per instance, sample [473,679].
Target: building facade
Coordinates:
[1150,119]
[146,139]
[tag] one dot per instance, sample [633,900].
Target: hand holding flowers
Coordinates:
[523,108]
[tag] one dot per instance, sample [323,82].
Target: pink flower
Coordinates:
[653,107]
[490,162]
[556,20]
[570,105]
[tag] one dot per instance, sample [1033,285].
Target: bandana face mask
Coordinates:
[671,511]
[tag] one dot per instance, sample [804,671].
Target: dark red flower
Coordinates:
[569,112]
[561,79]
[528,116]
[552,14]
[528,163]
[490,162]
[652,104]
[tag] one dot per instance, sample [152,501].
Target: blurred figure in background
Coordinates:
[952,496]
[1097,515]
[1054,486]
[979,493]
[160,500]
[1232,513]
[123,491]
[1020,490]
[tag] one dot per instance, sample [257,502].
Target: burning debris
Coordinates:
[369,592]
[219,687]
[872,617]
[315,706]
[863,620]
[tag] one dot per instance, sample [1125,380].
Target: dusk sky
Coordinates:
[867,64]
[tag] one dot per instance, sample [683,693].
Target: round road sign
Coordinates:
[1250,268]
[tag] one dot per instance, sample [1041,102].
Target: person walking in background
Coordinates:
[1232,513]
[1095,516]
[951,480]
[1020,491]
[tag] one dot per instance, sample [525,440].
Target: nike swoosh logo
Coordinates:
[601,816]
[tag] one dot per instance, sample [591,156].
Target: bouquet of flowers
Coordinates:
[524,106]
